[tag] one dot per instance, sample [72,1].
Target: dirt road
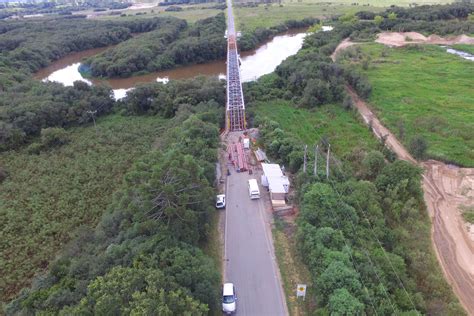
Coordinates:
[446,188]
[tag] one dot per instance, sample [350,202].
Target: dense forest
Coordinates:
[149,242]
[364,234]
[144,255]
[172,44]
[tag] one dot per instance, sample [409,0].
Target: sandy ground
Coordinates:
[446,188]
[399,39]
[404,38]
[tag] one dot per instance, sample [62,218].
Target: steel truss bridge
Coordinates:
[235,107]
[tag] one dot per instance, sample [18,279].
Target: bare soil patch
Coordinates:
[399,39]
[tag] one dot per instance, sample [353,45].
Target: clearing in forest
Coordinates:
[332,122]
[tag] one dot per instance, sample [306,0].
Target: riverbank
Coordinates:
[254,63]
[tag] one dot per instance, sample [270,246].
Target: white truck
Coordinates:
[254,192]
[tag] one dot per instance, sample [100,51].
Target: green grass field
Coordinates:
[425,91]
[248,19]
[48,196]
[190,13]
[341,127]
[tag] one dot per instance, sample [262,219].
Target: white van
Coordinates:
[229,299]
[254,192]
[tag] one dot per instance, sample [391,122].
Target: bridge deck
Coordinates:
[235,114]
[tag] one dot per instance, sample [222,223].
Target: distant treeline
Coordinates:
[143,258]
[174,2]
[441,20]
[26,8]
[173,43]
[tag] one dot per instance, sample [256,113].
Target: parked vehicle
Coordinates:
[229,298]
[254,192]
[220,201]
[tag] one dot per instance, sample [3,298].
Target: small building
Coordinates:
[277,183]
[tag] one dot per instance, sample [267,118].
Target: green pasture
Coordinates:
[423,90]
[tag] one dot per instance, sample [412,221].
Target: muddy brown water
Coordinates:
[255,63]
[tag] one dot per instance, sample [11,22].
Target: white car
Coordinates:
[220,201]
[229,298]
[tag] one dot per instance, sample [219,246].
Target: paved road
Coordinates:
[251,264]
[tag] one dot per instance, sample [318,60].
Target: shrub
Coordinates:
[348,103]
[418,147]
[372,164]
[34,148]
[3,174]
[53,136]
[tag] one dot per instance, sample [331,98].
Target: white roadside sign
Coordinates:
[301,290]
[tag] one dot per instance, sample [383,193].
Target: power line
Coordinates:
[354,265]
[365,250]
[371,230]
[379,243]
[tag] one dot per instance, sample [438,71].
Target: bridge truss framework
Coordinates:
[235,107]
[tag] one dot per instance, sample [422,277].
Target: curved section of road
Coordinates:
[446,188]
[249,260]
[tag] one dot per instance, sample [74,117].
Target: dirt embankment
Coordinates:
[399,39]
[446,188]
[405,38]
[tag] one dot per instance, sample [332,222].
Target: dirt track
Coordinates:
[446,188]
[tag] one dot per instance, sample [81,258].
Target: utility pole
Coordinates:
[92,113]
[304,159]
[327,162]
[316,160]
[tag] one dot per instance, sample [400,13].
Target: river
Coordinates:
[460,53]
[255,63]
